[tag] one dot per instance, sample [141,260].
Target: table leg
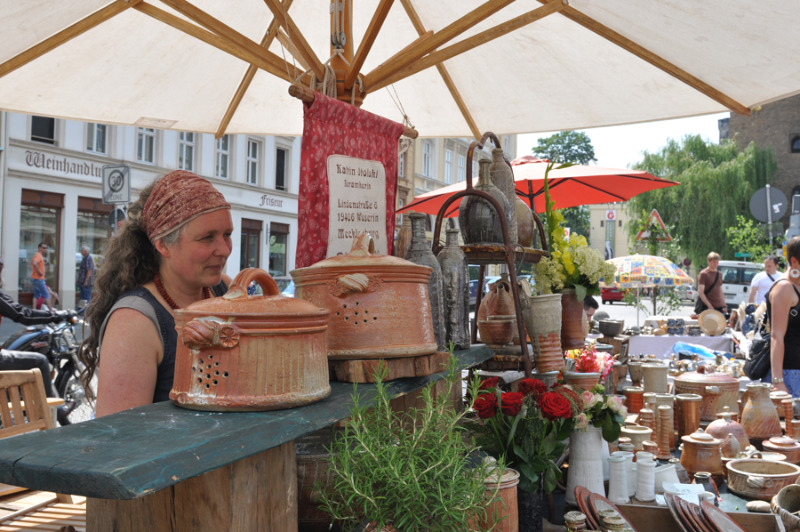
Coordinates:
[257,493]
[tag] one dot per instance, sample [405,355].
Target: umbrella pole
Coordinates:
[637,306]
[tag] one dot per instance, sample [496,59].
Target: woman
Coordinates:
[783,308]
[170,254]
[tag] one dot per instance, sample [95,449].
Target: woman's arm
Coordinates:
[129,358]
[780,300]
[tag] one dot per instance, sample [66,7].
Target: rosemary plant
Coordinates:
[408,470]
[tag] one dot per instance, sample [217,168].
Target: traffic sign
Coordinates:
[768,211]
[116,183]
[654,218]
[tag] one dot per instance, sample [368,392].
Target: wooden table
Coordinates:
[161,467]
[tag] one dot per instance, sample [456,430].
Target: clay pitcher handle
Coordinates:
[248,275]
[758,482]
[363,245]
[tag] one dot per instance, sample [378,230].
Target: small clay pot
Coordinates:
[702,452]
[497,330]
[784,445]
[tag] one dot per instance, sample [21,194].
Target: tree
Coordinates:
[569,147]
[717,181]
[566,147]
[749,237]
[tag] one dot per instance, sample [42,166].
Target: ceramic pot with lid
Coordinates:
[702,452]
[239,352]
[717,389]
[720,428]
[784,445]
[379,305]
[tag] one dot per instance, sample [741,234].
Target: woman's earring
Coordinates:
[794,273]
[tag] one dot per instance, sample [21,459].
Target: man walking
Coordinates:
[40,293]
[763,281]
[86,275]
[709,286]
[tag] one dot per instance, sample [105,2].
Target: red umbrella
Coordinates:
[569,186]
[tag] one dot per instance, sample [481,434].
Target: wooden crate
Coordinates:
[363,369]
[659,519]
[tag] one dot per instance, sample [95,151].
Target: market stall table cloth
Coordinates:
[661,346]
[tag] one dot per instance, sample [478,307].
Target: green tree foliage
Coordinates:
[717,181]
[569,147]
[748,236]
[566,147]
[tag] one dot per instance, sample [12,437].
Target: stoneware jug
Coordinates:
[499,301]
[759,416]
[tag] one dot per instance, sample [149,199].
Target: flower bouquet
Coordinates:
[603,411]
[589,360]
[527,428]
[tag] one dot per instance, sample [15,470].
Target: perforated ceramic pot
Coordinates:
[718,390]
[379,305]
[240,352]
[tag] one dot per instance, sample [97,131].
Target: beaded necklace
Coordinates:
[169,300]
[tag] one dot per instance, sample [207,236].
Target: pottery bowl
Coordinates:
[760,479]
[786,504]
[610,327]
[497,330]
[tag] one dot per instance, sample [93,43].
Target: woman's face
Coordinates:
[203,247]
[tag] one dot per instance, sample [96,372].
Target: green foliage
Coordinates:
[663,300]
[717,181]
[747,236]
[407,469]
[566,146]
[577,219]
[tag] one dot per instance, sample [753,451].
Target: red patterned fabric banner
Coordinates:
[348,179]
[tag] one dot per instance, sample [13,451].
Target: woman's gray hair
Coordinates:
[87,249]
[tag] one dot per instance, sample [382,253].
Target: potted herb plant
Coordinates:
[407,471]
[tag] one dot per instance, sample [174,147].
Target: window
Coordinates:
[93,230]
[462,167]
[796,144]
[222,157]
[146,145]
[278,238]
[253,151]
[280,168]
[448,166]
[96,137]
[427,158]
[251,240]
[186,151]
[401,166]
[39,218]
[43,129]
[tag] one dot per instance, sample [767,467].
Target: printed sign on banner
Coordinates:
[357,203]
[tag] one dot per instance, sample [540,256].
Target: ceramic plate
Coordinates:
[682,513]
[673,509]
[582,497]
[722,522]
[694,518]
[599,503]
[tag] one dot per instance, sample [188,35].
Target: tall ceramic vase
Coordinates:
[503,178]
[419,252]
[455,291]
[478,220]
[585,462]
[543,321]
[574,325]
[759,417]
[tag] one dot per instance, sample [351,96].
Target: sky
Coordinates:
[622,146]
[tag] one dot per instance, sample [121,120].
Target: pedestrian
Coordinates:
[40,293]
[20,360]
[763,281]
[783,313]
[709,287]
[86,275]
[170,252]
[590,306]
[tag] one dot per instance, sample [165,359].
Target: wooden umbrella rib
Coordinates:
[654,59]
[439,56]
[248,77]
[448,80]
[305,50]
[69,33]
[444,35]
[218,35]
[378,18]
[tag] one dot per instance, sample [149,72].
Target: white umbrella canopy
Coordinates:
[577,65]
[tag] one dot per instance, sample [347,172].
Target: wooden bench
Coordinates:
[161,467]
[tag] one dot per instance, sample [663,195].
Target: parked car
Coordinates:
[687,293]
[610,294]
[736,277]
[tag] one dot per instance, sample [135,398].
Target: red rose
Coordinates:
[533,387]
[554,406]
[486,405]
[511,403]
[491,382]
[571,395]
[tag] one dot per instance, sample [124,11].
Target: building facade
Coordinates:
[608,233]
[51,183]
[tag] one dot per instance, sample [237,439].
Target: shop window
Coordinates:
[222,157]
[146,145]
[43,129]
[280,168]
[796,144]
[252,160]
[40,213]
[186,151]
[93,230]
[278,248]
[251,244]
[96,138]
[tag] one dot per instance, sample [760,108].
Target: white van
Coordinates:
[736,277]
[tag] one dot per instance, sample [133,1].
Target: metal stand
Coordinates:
[505,253]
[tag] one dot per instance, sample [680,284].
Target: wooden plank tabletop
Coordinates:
[142,450]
